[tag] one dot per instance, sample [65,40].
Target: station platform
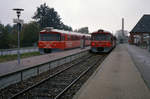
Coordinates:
[13,66]
[118,77]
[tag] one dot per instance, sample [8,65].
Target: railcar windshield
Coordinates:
[101,37]
[50,37]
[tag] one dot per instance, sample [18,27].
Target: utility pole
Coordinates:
[18,11]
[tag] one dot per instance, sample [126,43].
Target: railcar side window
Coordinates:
[68,37]
[101,37]
[50,37]
[62,38]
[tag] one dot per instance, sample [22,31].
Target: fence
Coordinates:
[4,52]
[21,75]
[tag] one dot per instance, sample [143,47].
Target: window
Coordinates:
[68,37]
[62,38]
[101,37]
[50,37]
[72,37]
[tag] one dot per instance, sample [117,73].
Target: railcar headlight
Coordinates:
[93,44]
[108,44]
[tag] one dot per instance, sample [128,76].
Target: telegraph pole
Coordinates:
[18,11]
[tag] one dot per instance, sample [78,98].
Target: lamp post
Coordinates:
[18,11]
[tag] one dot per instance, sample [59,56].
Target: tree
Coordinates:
[1,28]
[13,35]
[29,34]
[47,17]
[65,27]
[9,28]
[4,38]
[82,30]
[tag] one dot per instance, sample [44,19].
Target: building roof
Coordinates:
[143,26]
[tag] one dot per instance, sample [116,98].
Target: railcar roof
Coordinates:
[101,31]
[65,32]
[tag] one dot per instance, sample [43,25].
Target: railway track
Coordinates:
[70,90]
[56,85]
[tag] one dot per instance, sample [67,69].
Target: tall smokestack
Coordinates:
[123,27]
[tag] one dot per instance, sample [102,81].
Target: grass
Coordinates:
[14,57]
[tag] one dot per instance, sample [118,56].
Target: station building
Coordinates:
[140,34]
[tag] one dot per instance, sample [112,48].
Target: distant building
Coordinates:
[141,32]
[122,38]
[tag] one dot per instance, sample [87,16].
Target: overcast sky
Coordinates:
[95,14]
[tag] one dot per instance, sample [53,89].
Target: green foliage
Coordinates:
[13,35]
[9,35]
[29,34]
[9,28]
[82,30]
[65,27]
[48,17]
[4,38]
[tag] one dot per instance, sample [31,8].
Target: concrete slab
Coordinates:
[116,78]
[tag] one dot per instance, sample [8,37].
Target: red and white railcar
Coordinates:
[55,40]
[102,41]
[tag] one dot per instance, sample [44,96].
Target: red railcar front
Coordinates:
[102,41]
[50,40]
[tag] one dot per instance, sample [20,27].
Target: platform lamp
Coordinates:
[18,11]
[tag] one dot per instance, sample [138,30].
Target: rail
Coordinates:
[59,81]
[21,75]
[70,90]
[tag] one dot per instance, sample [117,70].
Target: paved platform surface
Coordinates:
[141,58]
[12,66]
[116,78]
